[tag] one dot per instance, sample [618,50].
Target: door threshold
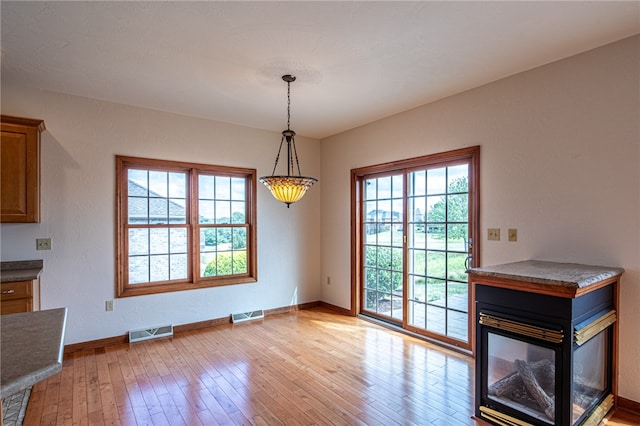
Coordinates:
[397,328]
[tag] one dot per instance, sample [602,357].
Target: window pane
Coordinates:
[370,300]
[223,188]
[179,266]
[458,296]
[396,213]
[178,240]
[457,325]
[238,212]
[436,181]
[371,278]
[177,211]
[417,210]
[418,182]
[158,184]
[436,236]
[137,183]
[178,185]
[206,211]
[239,264]
[159,268]
[417,315]
[417,235]
[436,291]
[371,213]
[223,212]
[207,264]
[206,187]
[436,264]
[208,239]
[159,241]
[418,288]
[457,210]
[370,189]
[455,266]
[457,237]
[158,210]
[138,210]
[370,253]
[138,269]
[384,187]
[239,238]
[397,186]
[457,178]
[418,264]
[238,189]
[223,236]
[436,208]
[436,318]
[138,242]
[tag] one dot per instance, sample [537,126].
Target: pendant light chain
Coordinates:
[288,104]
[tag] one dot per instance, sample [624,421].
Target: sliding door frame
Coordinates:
[470,155]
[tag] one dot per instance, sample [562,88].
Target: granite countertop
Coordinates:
[570,275]
[32,348]
[21,270]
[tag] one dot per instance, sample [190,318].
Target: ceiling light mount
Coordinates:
[289,188]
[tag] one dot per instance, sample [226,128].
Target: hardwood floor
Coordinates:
[307,367]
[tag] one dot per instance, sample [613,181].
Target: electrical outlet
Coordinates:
[108,305]
[43,244]
[493,234]
[513,234]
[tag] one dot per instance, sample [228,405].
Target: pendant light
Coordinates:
[289,188]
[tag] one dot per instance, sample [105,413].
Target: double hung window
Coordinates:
[182,226]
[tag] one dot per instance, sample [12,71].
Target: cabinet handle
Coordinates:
[8,291]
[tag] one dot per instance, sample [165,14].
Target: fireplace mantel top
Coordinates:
[570,275]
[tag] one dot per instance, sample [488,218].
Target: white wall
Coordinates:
[560,161]
[78,181]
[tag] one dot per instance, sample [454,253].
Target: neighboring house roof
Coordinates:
[144,203]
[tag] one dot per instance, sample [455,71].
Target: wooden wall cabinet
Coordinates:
[20,170]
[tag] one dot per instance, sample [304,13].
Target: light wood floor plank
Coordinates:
[309,367]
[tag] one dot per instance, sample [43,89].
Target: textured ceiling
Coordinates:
[356,62]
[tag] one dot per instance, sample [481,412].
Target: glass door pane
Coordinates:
[438,243]
[383,246]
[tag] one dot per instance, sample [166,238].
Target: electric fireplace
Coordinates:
[545,343]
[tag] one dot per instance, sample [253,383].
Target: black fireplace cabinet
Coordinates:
[545,343]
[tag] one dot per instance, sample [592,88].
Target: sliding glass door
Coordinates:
[416,221]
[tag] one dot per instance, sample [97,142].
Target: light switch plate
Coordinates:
[493,234]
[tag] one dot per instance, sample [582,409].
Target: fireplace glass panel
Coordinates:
[589,373]
[521,375]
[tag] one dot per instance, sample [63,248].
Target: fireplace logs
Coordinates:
[531,380]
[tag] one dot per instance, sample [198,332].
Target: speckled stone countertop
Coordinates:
[570,275]
[21,270]
[32,348]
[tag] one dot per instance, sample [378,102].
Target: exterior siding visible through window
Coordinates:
[183,226]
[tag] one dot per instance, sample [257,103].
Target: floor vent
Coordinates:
[150,333]
[247,316]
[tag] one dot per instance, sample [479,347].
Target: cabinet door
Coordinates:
[16,306]
[20,170]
